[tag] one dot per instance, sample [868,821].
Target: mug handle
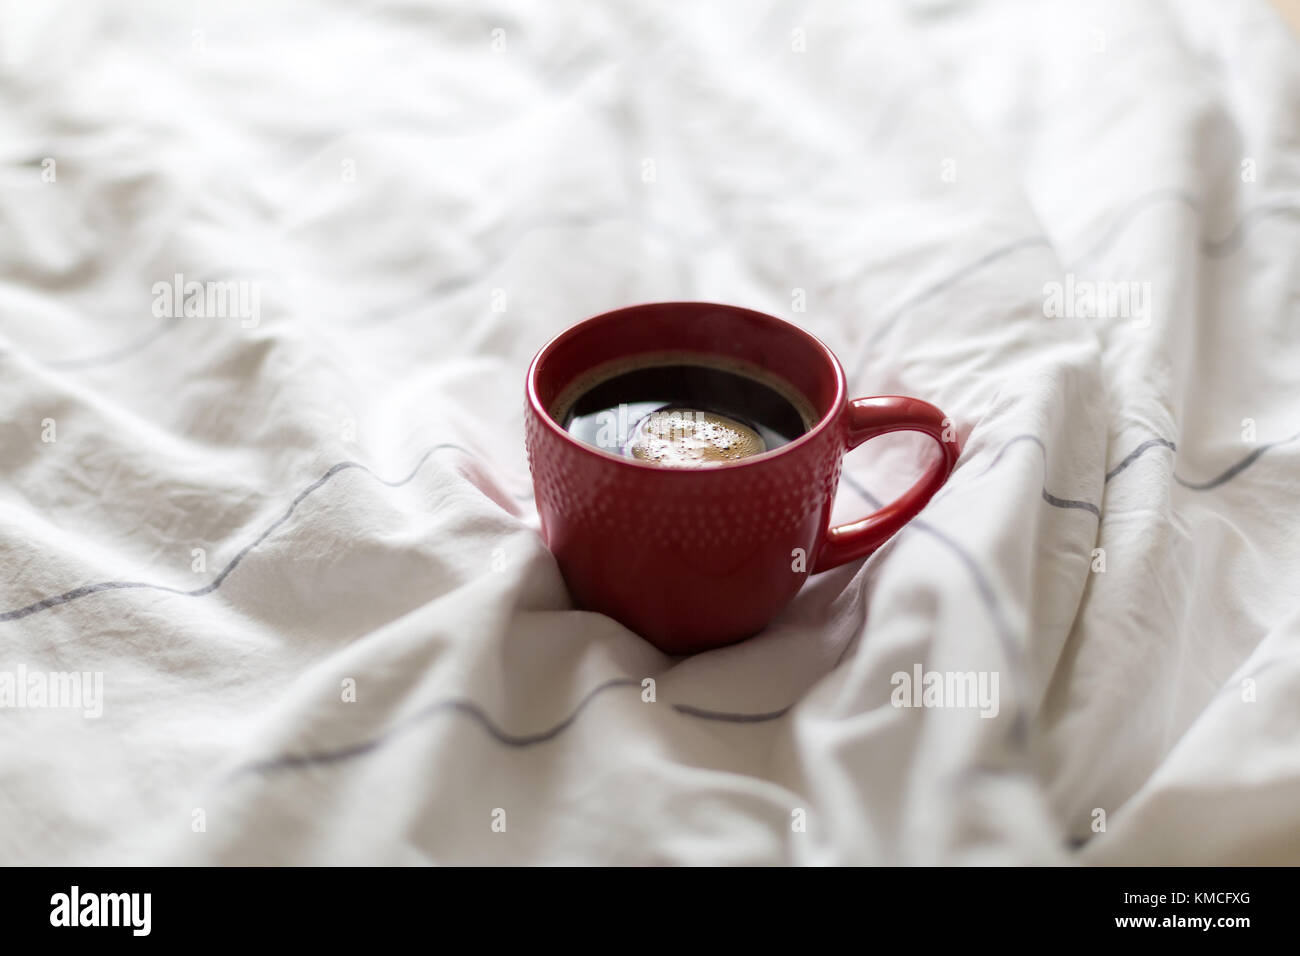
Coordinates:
[868,418]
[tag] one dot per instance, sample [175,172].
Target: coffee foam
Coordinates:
[687,437]
[583,383]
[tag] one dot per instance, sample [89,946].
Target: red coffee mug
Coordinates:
[694,558]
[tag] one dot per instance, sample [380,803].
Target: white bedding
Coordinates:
[338,491]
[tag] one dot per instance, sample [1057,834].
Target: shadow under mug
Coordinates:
[694,558]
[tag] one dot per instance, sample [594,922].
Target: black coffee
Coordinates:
[683,413]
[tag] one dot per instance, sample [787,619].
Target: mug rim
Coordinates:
[754,461]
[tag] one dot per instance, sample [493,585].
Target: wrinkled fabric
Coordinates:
[295,535]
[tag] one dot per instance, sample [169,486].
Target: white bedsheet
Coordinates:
[234,520]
